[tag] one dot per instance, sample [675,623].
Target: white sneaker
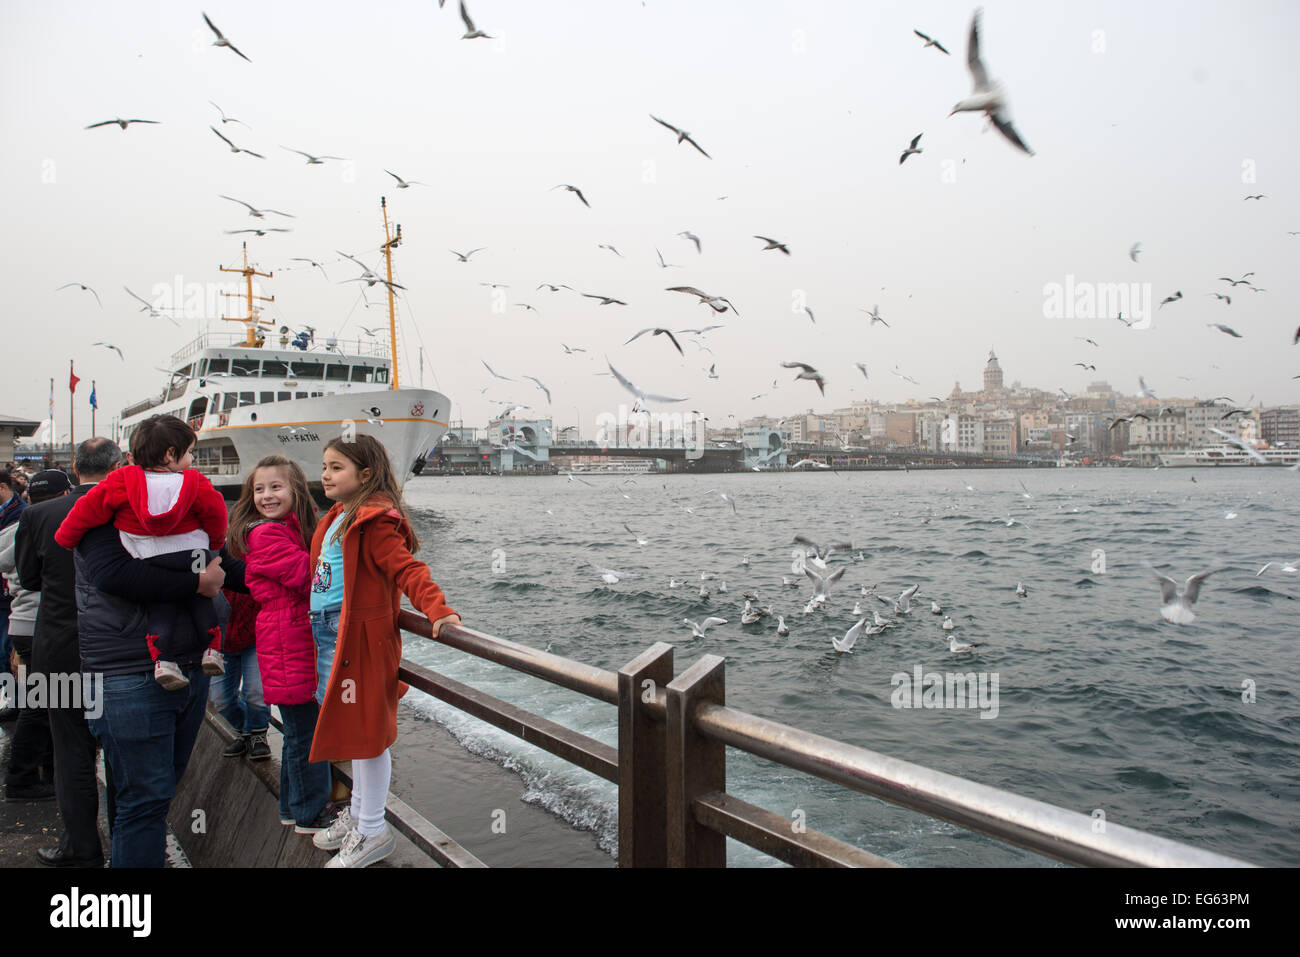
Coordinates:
[213,663]
[169,675]
[331,839]
[362,850]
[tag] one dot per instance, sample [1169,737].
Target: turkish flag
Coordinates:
[73,380]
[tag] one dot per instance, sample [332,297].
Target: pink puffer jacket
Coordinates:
[278,574]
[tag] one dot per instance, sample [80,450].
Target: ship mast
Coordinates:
[252,335]
[391,242]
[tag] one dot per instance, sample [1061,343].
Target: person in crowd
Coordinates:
[171,515]
[237,695]
[46,567]
[362,556]
[30,776]
[271,528]
[11,507]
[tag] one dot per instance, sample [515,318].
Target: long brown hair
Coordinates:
[367,452]
[245,514]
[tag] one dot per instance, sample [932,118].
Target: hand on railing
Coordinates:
[449,620]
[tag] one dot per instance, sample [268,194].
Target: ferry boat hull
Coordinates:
[1226,456]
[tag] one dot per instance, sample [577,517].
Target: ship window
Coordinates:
[308,370]
[381,375]
[267,397]
[362,374]
[245,398]
[218,365]
[337,373]
[283,396]
[275,369]
[300,395]
[231,401]
[244,366]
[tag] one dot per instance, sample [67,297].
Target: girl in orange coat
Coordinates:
[361,553]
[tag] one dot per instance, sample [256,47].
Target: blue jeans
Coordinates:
[304,786]
[148,734]
[242,706]
[325,629]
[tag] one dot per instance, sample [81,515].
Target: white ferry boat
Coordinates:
[1228,455]
[246,398]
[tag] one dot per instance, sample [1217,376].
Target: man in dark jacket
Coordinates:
[147,731]
[47,567]
[11,507]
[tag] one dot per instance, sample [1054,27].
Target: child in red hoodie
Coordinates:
[169,514]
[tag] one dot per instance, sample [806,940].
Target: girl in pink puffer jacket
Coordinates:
[271,528]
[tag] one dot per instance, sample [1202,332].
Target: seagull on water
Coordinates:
[957,647]
[1020,590]
[935,609]
[221,41]
[1289,568]
[1175,608]
[697,631]
[845,645]
[903,603]
[821,585]
[609,576]
[781,629]
[947,623]
[985,96]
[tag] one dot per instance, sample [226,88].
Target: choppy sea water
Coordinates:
[1187,732]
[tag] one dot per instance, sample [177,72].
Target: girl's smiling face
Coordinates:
[339,478]
[272,493]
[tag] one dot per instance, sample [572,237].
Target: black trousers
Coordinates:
[165,640]
[31,755]
[75,787]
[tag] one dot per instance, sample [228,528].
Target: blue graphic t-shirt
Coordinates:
[327,581]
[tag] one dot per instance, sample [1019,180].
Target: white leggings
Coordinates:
[370,779]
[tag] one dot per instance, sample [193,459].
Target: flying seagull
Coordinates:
[402,183]
[221,41]
[687,234]
[1221,296]
[604,300]
[658,332]
[539,385]
[875,316]
[464,257]
[471,32]
[1168,299]
[611,249]
[681,135]
[253,210]
[706,298]
[642,397]
[1086,366]
[495,374]
[863,367]
[83,286]
[930,43]
[233,147]
[1175,608]
[109,345]
[120,122]
[697,631]
[807,372]
[985,96]
[911,149]
[1222,328]
[573,189]
[263,231]
[227,119]
[1134,251]
[1256,196]
[773,244]
[311,160]
[664,265]
[845,646]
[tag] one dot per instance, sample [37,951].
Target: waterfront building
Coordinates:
[1280,426]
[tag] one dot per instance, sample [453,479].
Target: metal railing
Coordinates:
[670,768]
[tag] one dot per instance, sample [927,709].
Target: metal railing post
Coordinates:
[642,778]
[696,765]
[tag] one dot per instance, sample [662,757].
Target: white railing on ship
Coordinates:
[345,348]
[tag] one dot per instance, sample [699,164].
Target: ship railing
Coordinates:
[670,768]
[349,348]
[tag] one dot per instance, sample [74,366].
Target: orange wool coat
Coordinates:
[358,718]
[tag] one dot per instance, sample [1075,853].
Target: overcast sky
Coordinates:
[1150,122]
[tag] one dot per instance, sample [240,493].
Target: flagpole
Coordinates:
[51,421]
[93,407]
[72,407]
